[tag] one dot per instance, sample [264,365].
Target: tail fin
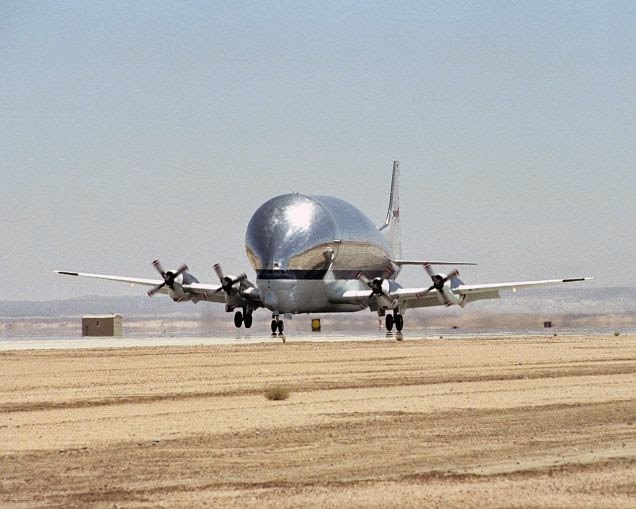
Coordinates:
[391,226]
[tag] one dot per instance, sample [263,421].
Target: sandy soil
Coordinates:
[519,422]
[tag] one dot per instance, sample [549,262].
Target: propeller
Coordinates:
[226,281]
[438,283]
[168,277]
[375,285]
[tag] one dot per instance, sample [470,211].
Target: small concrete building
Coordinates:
[102,325]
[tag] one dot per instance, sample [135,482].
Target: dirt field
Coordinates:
[521,422]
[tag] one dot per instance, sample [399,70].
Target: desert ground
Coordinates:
[504,422]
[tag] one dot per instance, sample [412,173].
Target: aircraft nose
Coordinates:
[285,227]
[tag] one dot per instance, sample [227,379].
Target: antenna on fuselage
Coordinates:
[391,226]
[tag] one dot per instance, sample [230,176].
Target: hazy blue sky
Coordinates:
[141,130]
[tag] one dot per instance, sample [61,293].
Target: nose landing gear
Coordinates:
[277,325]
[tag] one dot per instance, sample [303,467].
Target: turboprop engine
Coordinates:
[232,286]
[173,279]
[442,283]
[380,291]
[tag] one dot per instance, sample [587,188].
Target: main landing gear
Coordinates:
[394,319]
[277,325]
[243,319]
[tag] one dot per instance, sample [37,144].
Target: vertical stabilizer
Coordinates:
[391,226]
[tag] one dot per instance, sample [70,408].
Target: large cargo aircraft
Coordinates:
[320,254]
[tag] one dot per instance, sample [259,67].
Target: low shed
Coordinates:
[102,325]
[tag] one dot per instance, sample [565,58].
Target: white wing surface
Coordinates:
[423,297]
[468,289]
[207,292]
[130,280]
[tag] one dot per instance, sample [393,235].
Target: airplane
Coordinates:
[320,254]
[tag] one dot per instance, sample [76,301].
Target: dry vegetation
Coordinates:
[277,393]
[523,422]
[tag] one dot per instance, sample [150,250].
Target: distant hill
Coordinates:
[578,300]
[93,304]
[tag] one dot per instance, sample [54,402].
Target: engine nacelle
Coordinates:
[445,293]
[177,294]
[176,291]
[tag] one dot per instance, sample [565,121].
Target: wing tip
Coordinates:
[66,273]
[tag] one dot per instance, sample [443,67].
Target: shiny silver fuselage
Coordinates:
[307,250]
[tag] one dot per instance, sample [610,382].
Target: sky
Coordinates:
[140,130]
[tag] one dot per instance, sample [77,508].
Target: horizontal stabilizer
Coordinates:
[428,262]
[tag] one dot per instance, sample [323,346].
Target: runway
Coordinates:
[537,421]
[241,337]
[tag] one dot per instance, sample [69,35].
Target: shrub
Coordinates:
[277,393]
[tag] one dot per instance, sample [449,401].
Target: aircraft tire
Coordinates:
[399,322]
[247,320]
[281,326]
[274,326]
[388,321]
[238,319]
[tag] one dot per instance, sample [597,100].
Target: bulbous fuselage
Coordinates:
[295,241]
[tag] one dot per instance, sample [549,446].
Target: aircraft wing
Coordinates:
[470,289]
[207,292]
[130,280]
[416,297]
[422,297]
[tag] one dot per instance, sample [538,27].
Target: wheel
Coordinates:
[388,321]
[247,320]
[238,319]
[274,326]
[399,322]
[281,326]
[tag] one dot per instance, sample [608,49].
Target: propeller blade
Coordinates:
[157,265]
[453,273]
[375,286]
[364,279]
[439,282]
[181,270]
[226,282]
[155,289]
[219,272]
[241,277]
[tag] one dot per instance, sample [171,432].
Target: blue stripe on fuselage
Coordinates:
[318,274]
